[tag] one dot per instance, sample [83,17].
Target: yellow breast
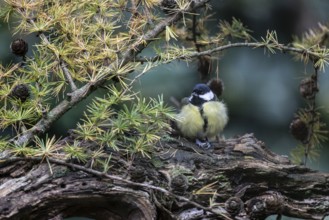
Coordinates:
[191,123]
[216,114]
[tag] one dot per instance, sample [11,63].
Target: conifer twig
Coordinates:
[62,63]
[281,48]
[79,94]
[68,75]
[253,45]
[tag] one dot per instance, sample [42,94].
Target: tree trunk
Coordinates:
[238,178]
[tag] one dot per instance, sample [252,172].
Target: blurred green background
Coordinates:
[261,90]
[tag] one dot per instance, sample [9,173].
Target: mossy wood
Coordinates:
[239,178]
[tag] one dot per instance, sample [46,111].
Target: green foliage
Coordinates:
[318,134]
[3,143]
[6,11]
[88,44]
[132,129]
[315,41]
[17,117]
[271,42]
[21,150]
[235,29]
[47,148]
[298,154]
[97,158]
[106,164]
[74,151]
[81,42]
[317,36]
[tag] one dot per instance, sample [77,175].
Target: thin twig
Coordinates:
[133,7]
[254,45]
[68,75]
[143,59]
[194,33]
[159,205]
[11,70]
[312,110]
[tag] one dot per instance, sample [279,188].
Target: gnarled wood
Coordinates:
[39,195]
[242,178]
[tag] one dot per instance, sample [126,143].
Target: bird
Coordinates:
[203,116]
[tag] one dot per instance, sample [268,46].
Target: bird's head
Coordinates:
[201,93]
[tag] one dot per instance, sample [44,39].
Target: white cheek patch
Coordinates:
[208,96]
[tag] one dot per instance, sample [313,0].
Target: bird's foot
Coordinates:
[203,144]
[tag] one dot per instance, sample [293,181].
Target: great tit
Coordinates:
[203,117]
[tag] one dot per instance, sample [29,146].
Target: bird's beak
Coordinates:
[191,97]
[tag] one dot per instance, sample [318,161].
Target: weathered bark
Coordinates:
[242,178]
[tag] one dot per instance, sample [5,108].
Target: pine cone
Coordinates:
[234,205]
[19,47]
[308,88]
[179,184]
[299,130]
[21,92]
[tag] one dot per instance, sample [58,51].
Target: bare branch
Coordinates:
[68,75]
[281,48]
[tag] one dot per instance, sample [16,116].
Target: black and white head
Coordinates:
[201,93]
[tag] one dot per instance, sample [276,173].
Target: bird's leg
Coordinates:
[217,138]
[203,143]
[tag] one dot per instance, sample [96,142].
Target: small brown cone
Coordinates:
[308,88]
[299,130]
[19,47]
[21,92]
